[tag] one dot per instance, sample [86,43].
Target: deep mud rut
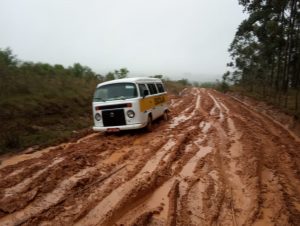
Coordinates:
[215,162]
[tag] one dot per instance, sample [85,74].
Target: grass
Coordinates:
[45,129]
[174,87]
[43,110]
[272,100]
[43,104]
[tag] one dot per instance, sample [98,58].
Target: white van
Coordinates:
[129,103]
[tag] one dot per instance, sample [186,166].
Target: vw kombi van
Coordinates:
[129,103]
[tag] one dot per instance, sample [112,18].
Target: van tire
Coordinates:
[149,124]
[166,116]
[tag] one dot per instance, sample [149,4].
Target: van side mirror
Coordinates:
[146,93]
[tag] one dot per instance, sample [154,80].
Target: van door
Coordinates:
[153,92]
[160,99]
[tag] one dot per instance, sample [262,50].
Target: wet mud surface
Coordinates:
[216,161]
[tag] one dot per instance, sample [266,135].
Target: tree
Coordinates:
[7,58]
[196,84]
[122,73]
[158,76]
[265,50]
[109,76]
[183,81]
[77,69]
[100,77]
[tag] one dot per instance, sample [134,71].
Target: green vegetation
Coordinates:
[266,53]
[43,104]
[174,87]
[117,74]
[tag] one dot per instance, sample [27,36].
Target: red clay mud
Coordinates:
[216,161]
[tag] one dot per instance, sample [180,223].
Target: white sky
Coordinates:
[176,38]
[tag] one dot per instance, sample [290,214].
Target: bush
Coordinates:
[10,140]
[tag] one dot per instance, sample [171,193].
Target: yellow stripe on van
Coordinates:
[151,101]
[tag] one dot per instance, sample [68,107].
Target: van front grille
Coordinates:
[106,107]
[114,117]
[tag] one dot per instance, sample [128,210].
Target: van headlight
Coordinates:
[98,117]
[130,113]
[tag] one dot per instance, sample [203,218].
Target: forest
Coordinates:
[266,53]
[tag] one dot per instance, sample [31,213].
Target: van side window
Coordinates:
[152,88]
[160,87]
[142,87]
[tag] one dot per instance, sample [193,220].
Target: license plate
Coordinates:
[113,130]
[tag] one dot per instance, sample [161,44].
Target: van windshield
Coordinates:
[117,91]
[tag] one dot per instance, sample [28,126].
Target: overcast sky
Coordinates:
[176,38]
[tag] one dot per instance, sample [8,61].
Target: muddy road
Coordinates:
[215,162]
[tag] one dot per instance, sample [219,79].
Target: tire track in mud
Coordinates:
[112,155]
[73,163]
[156,169]
[273,201]
[215,162]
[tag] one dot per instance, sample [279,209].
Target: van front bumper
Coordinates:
[112,128]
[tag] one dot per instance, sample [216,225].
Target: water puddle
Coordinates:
[213,110]
[199,141]
[236,147]
[175,105]
[204,126]
[158,198]
[221,115]
[195,203]
[152,164]
[198,102]
[115,157]
[188,169]
[182,118]
[226,108]
[84,139]
[178,120]
[214,175]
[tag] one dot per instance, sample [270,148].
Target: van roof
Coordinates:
[136,79]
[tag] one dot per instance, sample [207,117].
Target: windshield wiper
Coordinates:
[99,98]
[119,98]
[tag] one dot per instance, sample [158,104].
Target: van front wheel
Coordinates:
[166,116]
[149,124]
